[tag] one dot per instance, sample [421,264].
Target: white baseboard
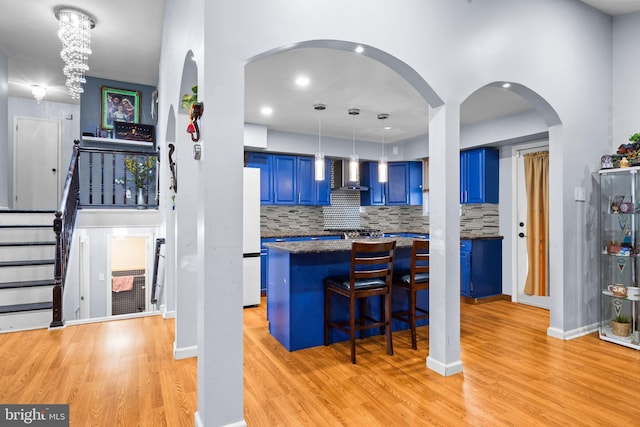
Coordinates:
[111,318]
[197,422]
[572,334]
[445,370]
[169,314]
[184,352]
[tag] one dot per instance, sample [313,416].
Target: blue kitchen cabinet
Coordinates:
[284,180]
[415,183]
[375,195]
[323,188]
[290,180]
[465,268]
[305,181]
[397,184]
[263,162]
[481,267]
[403,187]
[479,176]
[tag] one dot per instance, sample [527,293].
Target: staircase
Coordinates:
[27,256]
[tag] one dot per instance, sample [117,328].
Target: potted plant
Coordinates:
[621,325]
[141,171]
[189,99]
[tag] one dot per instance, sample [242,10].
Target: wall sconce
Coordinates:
[38,92]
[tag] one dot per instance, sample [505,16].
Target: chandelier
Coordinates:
[75,35]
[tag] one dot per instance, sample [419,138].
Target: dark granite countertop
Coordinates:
[318,246]
[306,233]
[298,233]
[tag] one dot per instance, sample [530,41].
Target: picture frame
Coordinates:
[120,105]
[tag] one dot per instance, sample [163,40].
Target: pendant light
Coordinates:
[319,164]
[383,170]
[354,164]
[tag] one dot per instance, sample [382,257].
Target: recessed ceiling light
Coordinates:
[506,85]
[387,128]
[266,111]
[359,49]
[302,81]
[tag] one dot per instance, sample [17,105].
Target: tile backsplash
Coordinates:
[345,212]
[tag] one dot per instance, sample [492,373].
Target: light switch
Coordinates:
[100,276]
[580,195]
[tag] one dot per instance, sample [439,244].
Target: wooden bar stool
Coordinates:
[414,280]
[370,275]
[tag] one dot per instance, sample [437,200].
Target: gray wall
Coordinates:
[90,102]
[626,84]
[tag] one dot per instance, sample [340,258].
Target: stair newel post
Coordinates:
[59,268]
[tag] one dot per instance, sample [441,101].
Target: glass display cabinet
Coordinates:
[619,228]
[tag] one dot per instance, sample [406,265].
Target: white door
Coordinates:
[521,230]
[36,166]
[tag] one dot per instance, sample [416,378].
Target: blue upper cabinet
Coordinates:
[305,180]
[403,187]
[263,162]
[323,188]
[290,180]
[284,180]
[479,176]
[375,195]
[398,184]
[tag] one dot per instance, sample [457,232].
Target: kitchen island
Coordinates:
[295,289]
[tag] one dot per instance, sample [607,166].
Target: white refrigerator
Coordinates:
[251,237]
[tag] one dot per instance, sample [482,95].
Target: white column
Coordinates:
[444,235]
[220,338]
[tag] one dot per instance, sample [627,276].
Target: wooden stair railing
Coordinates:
[63,226]
[156,265]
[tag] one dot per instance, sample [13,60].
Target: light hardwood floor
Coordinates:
[122,373]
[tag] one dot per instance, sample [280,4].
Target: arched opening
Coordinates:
[183,234]
[520,136]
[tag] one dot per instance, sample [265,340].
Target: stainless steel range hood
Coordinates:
[340,175]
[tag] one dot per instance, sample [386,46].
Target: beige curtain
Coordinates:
[536,172]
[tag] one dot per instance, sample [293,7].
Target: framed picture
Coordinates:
[119,105]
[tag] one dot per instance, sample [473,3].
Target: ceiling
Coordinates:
[126,49]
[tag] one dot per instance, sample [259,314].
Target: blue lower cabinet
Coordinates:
[465,274]
[480,268]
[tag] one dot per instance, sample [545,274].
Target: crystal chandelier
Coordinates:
[75,35]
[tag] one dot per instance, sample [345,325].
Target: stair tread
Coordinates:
[27,284]
[27,211]
[5,309]
[27,225]
[40,243]
[27,263]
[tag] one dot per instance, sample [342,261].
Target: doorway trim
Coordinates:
[516,153]
[149,255]
[16,119]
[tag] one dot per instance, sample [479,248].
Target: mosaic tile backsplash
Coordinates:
[344,212]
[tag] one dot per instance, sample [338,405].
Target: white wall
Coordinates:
[5,159]
[96,228]
[559,50]
[67,114]
[626,84]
